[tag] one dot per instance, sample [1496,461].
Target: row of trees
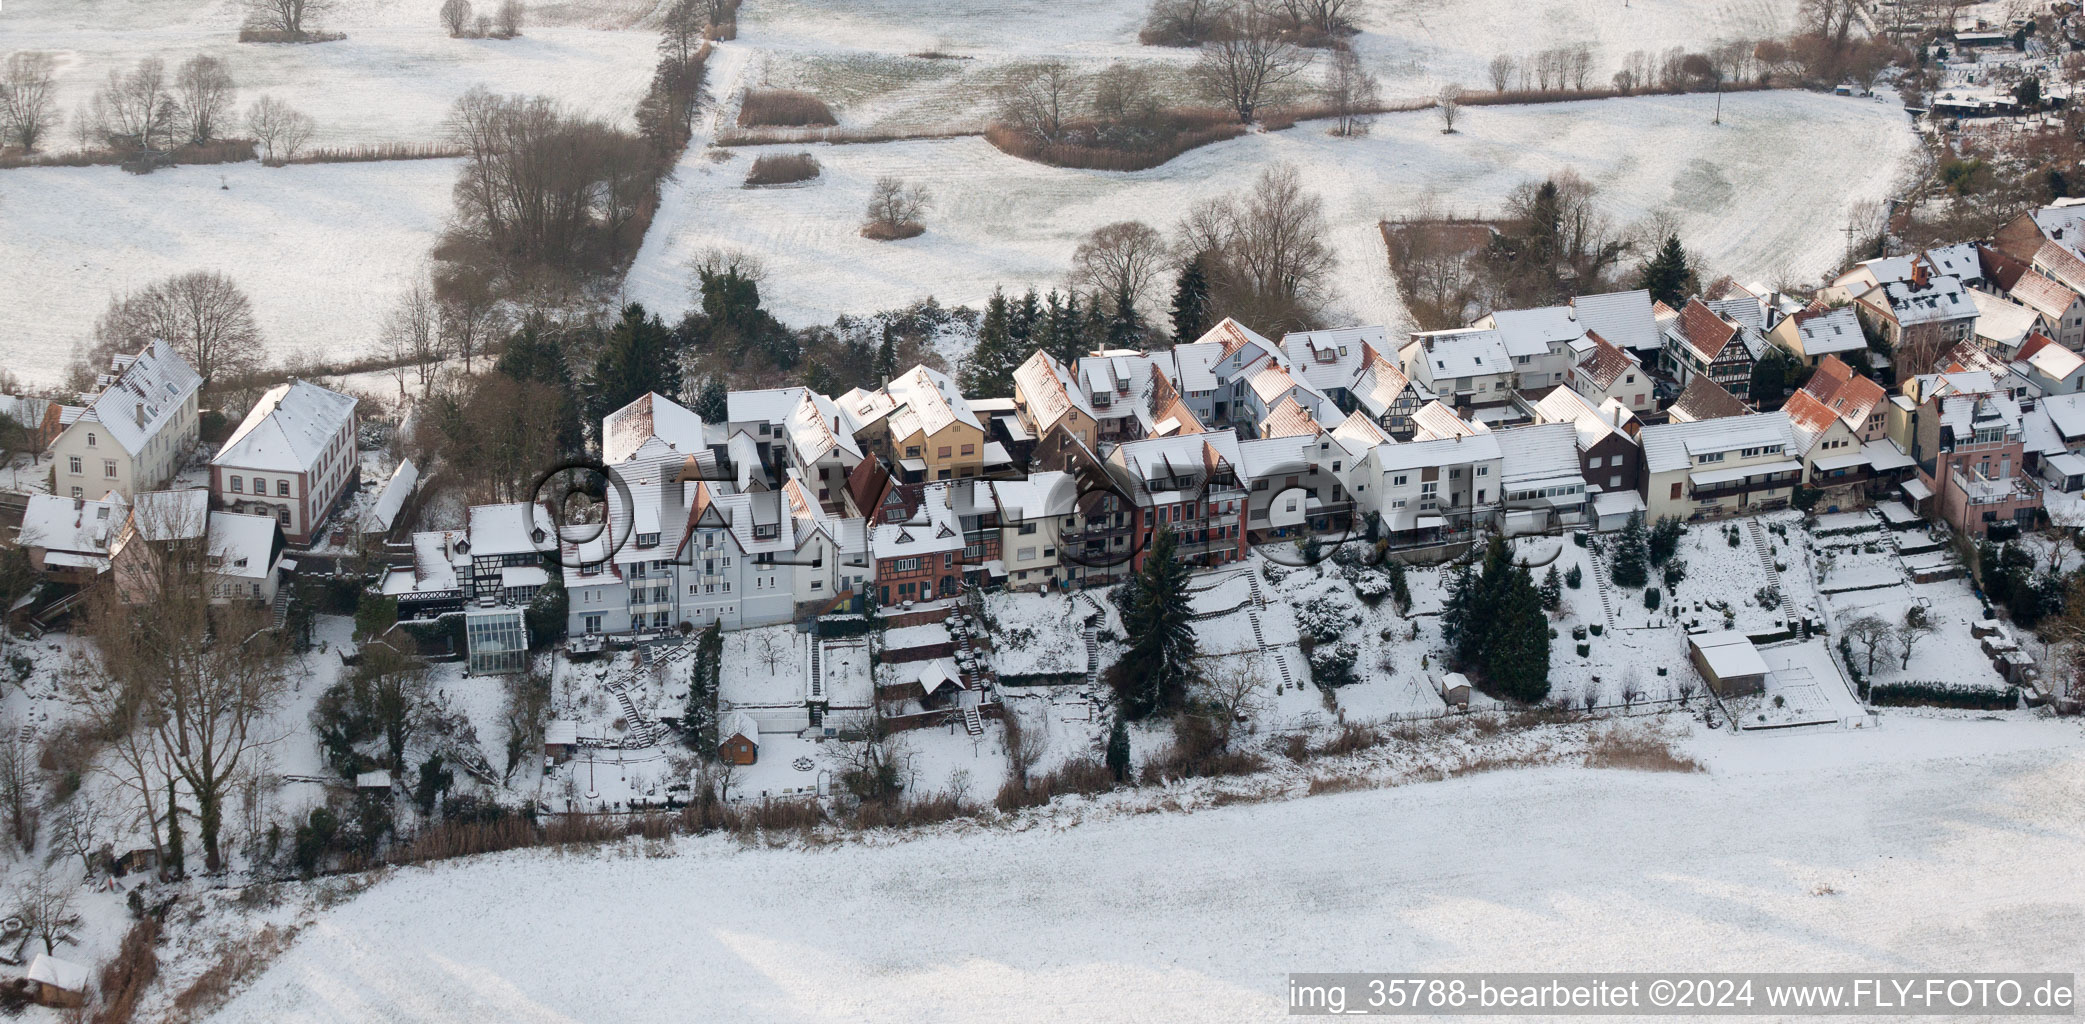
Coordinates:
[1199,22]
[503,22]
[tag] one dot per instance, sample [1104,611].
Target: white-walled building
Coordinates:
[292,458]
[134,432]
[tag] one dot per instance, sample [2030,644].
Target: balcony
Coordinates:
[1979,490]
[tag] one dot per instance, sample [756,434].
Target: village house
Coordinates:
[1541,484]
[924,426]
[1190,484]
[1545,344]
[1608,371]
[1971,458]
[293,458]
[1298,486]
[68,539]
[919,559]
[1431,492]
[1467,368]
[2051,368]
[1046,395]
[1918,313]
[1214,370]
[1121,388]
[1610,460]
[1095,534]
[1718,467]
[2002,326]
[1699,343]
[239,557]
[132,435]
[1626,319]
[1032,513]
[2059,311]
[1329,362]
[1819,332]
[1704,399]
[1388,395]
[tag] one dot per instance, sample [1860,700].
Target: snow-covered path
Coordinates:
[1927,844]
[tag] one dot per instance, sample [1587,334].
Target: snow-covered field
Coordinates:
[1760,196]
[322,249]
[1932,843]
[391,80]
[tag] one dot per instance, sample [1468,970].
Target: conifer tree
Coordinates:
[887,356]
[988,372]
[1666,275]
[1093,327]
[1118,750]
[635,358]
[712,400]
[1067,330]
[536,354]
[1630,564]
[699,720]
[1516,655]
[1155,673]
[1021,321]
[1190,302]
[1126,327]
[1552,589]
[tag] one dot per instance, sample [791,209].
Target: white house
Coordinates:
[292,458]
[134,432]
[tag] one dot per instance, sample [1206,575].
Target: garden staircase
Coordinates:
[973,723]
[1766,555]
[1603,586]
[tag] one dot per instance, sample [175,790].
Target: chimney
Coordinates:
[141,414]
[1918,274]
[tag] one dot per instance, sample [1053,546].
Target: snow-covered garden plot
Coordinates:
[1038,637]
[1951,654]
[765,667]
[322,249]
[392,79]
[1723,583]
[1862,851]
[1758,196]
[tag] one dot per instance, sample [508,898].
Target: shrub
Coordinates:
[1597,628]
[1585,650]
[782,169]
[1650,598]
[1576,576]
[1105,146]
[783,108]
[1945,695]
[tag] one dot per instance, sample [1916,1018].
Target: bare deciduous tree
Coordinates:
[1353,93]
[1448,104]
[1264,249]
[1118,259]
[1186,22]
[135,109]
[28,109]
[291,17]
[206,675]
[18,784]
[203,313]
[1501,71]
[136,763]
[280,129]
[79,829]
[1038,100]
[1250,62]
[412,337]
[1124,93]
[45,903]
[1871,633]
[456,16]
[203,92]
[1237,693]
[1917,626]
[535,182]
[509,18]
[895,209]
[680,29]
[1327,18]
[468,313]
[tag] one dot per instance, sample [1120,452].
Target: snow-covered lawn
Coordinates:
[1760,196]
[322,249]
[1926,844]
[392,79]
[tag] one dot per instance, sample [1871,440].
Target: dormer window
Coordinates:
[767,532]
[647,540]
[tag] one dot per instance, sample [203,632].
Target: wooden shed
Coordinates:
[1728,663]
[59,983]
[740,743]
[1455,689]
[560,740]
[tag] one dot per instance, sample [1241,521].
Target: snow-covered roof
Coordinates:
[242,545]
[144,394]
[2041,294]
[1447,451]
[1436,420]
[1047,386]
[2061,263]
[1623,318]
[742,726]
[1563,405]
[1538,455]
[1605,363]
[2056,362]
[1943,298]
[378,779]
[1729,654]
[928,402]
[1331,358]
[383,513]
[1530,332]
[1831,332]
[288,430]
[931,530]
[1290,419]
[626,430]
[2000,322]
[1036,496]
[1704,399]
[560,732]
[769,405]
[1671,446]
[514,528]
[182,514]
[49,970]
[1358,433]
[64,524]
[2066,413]
[1380,384]
[1468,352]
